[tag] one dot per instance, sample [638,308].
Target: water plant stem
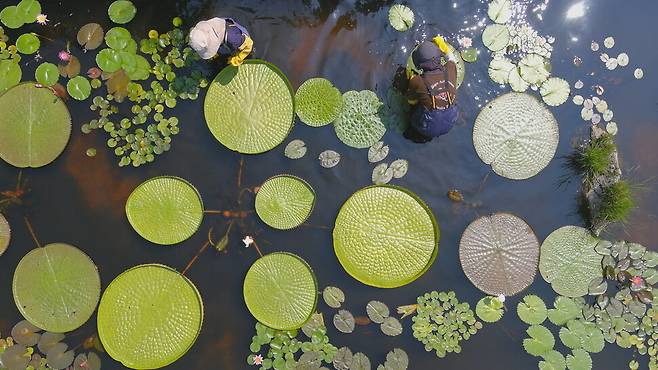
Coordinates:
[258,249]
[240,170]
[203,248]
[31,230]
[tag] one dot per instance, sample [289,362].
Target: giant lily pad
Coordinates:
[250,109]
[385,236]
[280,291]
[56,288]
[149,316]
[517,135]
[568,260]
[499,254]
[461,66]
[284,202]
[5,234]
[165,210]
[318,102]
[359,124]
[35,126]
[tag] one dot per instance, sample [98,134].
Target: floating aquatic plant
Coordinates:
[377,152]
[499,254]
[382,174]
[165,210]
[31,137]
[27,43]
[43,282]
[333,297]
[401,17]
[500,11]
[441,322]
[489,309]
[280,291]
[500,70]
[555,91]
[532,310]
[284,202]
[359,124]
[568,260]
[344,321]
[47,74]
[371,256]
[329,158]
[318,102]
[5,234]
[78,88]
[295,149]
[516,135]
[495,37]
[122,11]
[15,16]
[136,312]
[250,131]
[90,36]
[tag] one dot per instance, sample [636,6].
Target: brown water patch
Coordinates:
[102,184]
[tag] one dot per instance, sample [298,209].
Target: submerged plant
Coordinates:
[30,348]
[441,322]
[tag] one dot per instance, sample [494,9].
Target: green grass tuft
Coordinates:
[616,202]
[593,159]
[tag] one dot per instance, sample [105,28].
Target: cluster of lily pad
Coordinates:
[30,348]
[441,322]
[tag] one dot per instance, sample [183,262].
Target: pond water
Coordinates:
[80,200]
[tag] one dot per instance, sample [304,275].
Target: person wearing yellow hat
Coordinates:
[223,36]
[434,92]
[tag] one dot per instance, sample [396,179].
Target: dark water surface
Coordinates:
[80,200]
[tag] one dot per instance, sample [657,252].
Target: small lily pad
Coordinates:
[122,11]
[343,359]
[360,362]
[639,73]
[391,326]
[540,342]
[566,309]
[609,42]
[90,36]
[382,174]
[555,91]
[58,357]
[329,158]
[401,17]
[397,359]
[377,152]
[48,340]
[579,360]
[489,309]
[517,83]
[10,74]
[399,167]
[333,297]
[495,37]
[470,55]
[25,333]
[295,149]
[533,69]
[78,88]
[500,11]
[359,124]
[344,321]
[377,311]
[47,74]
[5,234]
[27,43]
[500,69]
[532,310]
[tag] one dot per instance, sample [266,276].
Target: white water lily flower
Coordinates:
[248,241]
[42,19]
[501,298]
[465,42]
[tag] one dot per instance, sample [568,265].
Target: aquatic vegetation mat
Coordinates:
[499,254]
[280,291]
[57,287]
[391,258]
[284,202]
[568,260]
[35,126]
[5,234]
[250,109]
[516,135]
[165,210]
[359,124]
[149,316]
[441,322]
[318,102]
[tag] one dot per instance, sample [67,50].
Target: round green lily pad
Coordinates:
[280,291]
[5,234]
[165,210]
[461,66]
[517,135]
[569,262]
[359,124]
[495,37]
[27,43]
[35,126]
[149,316]
[318,102]
[284,202]
[10,74]
[47,74]
[57,287]
[499,254]
[78,88]
[250,109]
[122,11]
[385,236]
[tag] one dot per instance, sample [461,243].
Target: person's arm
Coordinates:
[412,96]
[243,51]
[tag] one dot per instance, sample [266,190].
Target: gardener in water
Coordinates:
[434,92]
[223,36]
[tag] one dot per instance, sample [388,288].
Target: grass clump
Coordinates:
[616,202]
[594,158]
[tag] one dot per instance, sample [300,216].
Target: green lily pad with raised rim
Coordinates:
[57,287]
[5,234]
[499,254]
[281,291]
[385,236]
[35,126]
[569,262]
[359,124]
[284,202]
[149,316]
[250,109]
[318,102]
[517,135]
[165,210]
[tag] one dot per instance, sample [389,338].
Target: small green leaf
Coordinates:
[27,43]
[566,309]
[47,74]
[579,360]
[532,310]
[541,340]
[469,55]
[489,309]
[79,88]
[10,74]
[122,11]
[333,296]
